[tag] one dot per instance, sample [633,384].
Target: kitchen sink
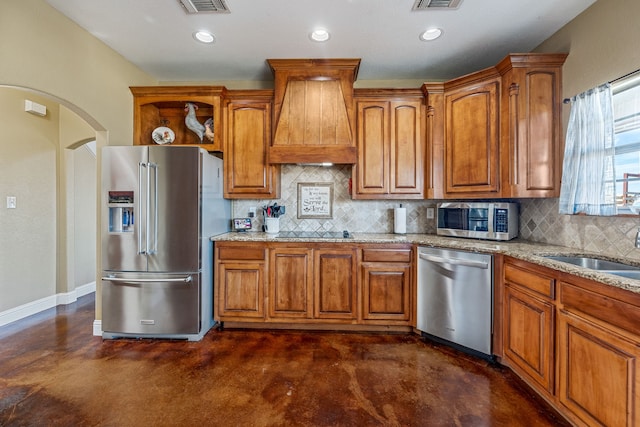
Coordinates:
[601,265]
[593,263]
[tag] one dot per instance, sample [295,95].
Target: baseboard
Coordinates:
[97,328]
[34,307]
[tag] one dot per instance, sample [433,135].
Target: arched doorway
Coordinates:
[50,253]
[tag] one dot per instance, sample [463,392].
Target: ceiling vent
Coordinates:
[436,4]
[201,6]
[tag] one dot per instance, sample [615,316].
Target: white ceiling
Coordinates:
[156,35]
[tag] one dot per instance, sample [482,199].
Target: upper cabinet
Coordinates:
[390,145]
[530,125]
[502,131]
[247,131]
[314,115]
[174,107]
[471,136]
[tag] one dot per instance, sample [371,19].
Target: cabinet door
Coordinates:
[386,291]
[531,124]
[390,150]
[335,281]
[291,278]
[247,136]
[597,373]
[372,176]
[471,140]
[528,337]
[241,288]
[406,149]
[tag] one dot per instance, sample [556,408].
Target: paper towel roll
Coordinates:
[400,220]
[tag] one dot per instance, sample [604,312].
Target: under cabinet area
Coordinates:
[314,284]
[574,341]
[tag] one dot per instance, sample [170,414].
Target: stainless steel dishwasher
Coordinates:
[455,297]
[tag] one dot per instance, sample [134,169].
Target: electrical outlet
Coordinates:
[430,213]
[11,202]
[252,212]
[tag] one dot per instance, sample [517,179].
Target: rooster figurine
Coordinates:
[208,129]
[192,122]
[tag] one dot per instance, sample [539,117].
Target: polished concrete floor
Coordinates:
[53,372]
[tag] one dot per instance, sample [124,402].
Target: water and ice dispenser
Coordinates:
[121,217]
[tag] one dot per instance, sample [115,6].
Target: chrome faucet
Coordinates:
[638,238]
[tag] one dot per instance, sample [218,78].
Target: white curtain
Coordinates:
[588,173]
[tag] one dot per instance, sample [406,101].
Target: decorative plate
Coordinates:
[163,135]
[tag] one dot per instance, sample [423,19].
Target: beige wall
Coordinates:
[28,172]
[603,45]
[55,62]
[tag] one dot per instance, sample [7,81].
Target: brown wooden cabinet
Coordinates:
[471,137]
[386,285]
[598,353]
[590,376]
[291,283]
[247,120]
[157,106]
[240,281]
[434,158]
[531,156]
[390,145]
[335,283]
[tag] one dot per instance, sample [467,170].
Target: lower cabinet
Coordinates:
[239,280]
[313,283]
[529,324]
[335,281]
[291,283]
[597,346]
[598,378]
[386,286]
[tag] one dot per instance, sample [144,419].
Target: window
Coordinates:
[626,111]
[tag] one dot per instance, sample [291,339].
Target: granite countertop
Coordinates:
[528,251]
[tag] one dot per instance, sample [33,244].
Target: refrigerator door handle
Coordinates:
[154,247]
[141,225]
[187,279]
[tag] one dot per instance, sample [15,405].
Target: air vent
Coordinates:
[202,6]
[436,4]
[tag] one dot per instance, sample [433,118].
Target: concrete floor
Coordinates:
[53,372]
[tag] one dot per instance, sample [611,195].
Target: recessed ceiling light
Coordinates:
[204,36]
[431,34]
[319,35]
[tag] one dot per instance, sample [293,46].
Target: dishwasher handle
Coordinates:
[187,279]
[454,261]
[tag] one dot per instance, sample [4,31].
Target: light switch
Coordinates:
[11,202]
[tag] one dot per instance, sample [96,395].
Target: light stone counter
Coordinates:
[527,251]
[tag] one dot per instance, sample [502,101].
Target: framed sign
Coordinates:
[315,200]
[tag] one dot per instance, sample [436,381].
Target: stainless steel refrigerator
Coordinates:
[160,206]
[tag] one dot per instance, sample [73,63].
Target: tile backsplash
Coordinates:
[364,216]
[541,222]
[539,218]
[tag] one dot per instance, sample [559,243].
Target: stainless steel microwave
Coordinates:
[491,221]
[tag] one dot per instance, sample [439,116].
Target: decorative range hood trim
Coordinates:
[314,111]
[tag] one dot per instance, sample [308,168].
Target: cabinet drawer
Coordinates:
[610,310]
[535,281]
[241,253]
[386,255]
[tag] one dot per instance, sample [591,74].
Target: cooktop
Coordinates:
[315,234]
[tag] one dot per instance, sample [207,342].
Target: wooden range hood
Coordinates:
[314,112]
